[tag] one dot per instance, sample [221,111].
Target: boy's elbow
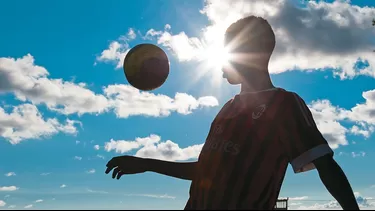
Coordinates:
[327,164]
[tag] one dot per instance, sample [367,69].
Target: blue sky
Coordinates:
[50,122]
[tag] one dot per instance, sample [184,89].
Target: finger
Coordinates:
[120,174]
[115,171]
[111,163]
[108,170]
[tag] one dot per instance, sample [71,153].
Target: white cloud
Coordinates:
[6,196]
[77,158]
[353,154]
[116,52]
[357,131]
[318,35]
[363,203]
[298,198]
[165,196]
[45,174]
[30,82]
[295,204]
[330,119]
[96,147]
[151,147]
[372,186]
[2,203]
[169,150]
[96,191]
[77,142]
[167,27]
[184,47]
[8,188]
[123,146]
[327,119]
[128,101]
[26,122]
[100,156]
[91,171]
[360,154]
[131,34]
[365,112]
[9,174]
[12,206]
[39,201]
[63,186]
[28,206]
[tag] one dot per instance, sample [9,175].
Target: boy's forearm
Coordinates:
[338,185]
[185,171]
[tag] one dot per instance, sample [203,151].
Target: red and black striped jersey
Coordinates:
[250,143]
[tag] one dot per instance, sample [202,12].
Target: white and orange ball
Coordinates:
[146,67]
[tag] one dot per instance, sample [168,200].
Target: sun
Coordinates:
[212,55]
[216,56]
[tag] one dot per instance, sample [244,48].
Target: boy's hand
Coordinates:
[126,165]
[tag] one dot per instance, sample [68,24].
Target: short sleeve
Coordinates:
[303,143]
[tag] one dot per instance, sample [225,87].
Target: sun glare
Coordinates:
[216,57]
[213,55]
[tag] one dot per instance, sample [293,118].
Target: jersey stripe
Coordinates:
[262,154]
[245,159]
[251,172]
[298,127]
[303,110]
[215,158]
[238,166]
[199,195]
[241,161]
[227,158]
[292,128]
[219,159]
[281,173]
[264,197]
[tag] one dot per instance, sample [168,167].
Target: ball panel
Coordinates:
[137,55]
[146,67]
[154,73]
[130,62]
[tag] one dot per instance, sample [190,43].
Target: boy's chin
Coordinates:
[232,81]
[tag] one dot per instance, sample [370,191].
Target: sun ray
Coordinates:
[216,52]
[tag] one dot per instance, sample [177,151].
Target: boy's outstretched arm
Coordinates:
[185,171]
[336,182]
[123,165]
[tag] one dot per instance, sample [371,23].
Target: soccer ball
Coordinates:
[146,67]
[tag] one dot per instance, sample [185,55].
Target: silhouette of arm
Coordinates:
[336,182]
[185,171]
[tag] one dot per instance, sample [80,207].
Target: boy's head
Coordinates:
[250,42]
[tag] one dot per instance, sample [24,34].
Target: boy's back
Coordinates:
[250,143]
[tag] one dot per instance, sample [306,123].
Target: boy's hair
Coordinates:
[251,34]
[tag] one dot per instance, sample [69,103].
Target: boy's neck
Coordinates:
[257,84]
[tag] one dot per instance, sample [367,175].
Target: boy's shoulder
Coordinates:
[289,97]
